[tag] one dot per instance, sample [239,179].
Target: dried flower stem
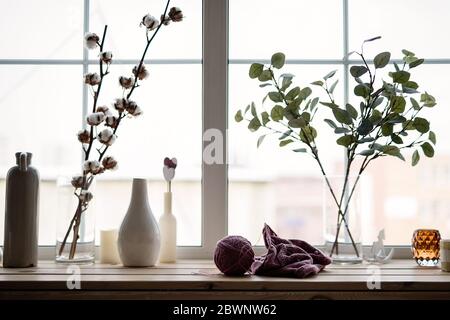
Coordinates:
[83,204]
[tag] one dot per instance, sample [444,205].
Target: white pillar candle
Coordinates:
[445,255]
[108,247]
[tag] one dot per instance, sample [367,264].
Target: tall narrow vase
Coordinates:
[139,237]
[342,220]
[21,214]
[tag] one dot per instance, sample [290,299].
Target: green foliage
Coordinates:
[277,60]
[385,122]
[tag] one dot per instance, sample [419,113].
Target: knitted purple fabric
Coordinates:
[288,258]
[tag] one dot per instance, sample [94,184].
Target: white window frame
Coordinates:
[215,113]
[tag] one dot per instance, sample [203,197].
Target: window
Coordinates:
[48,62]
[268,184]
[199,78]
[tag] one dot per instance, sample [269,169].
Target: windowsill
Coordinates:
[199,279]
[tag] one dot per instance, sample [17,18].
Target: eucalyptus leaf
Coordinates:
[415,158]
[400,76]
[358,71]
[392,151]
[255,70]
[345,140]
[367,152]
[294,92]
[253,109]
[381,60]
[308,134]
[317,83]
[331,123]
[365,128]
[416,63]
[329,75]
[398,104]
[299,150]
[387,129]
[254,124]
[285,135]
[297,123]
[377,102]
[432,137]
[314,102]
[342,116]
[341,130]
[285,142]
[408,53]
[275,96]
[351,110]
[265,118]
[278,60]
[361,90]
[260,140]
[333,86]
[396,139]
[238,117]
[427,149]
[266,75]
[422,125]
[414,103]
[277,113]
[305,93]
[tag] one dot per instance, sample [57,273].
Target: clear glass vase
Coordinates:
[342,219]
[81,251]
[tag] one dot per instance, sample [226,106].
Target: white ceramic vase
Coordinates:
[139,237]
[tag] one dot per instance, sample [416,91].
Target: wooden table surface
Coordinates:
[199,279]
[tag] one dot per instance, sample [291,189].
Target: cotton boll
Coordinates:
[120,104]
[77,181]
[175,14]
[84,136]
[92,79]
[91,166]
[94,119]
[143,72]
[106,56]
[150,22]
[126,82]
[91,40]
[112,121]
[109,163]
[107,137]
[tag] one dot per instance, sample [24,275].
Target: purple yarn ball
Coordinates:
[234,255]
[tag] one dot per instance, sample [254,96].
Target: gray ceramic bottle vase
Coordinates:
[139,237]
[21,214]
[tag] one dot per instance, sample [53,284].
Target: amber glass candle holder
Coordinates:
[425,247]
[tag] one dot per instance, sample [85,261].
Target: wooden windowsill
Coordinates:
[199,279]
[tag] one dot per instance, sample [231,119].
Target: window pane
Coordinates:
[273,184]
[419,26]
[41,29]
[415,197]
[127,40]
[300,29]
[40,114]
[170,126]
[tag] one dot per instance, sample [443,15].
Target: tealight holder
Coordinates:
[425,247]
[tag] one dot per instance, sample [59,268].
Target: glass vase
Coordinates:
[342,219]
[82,250]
